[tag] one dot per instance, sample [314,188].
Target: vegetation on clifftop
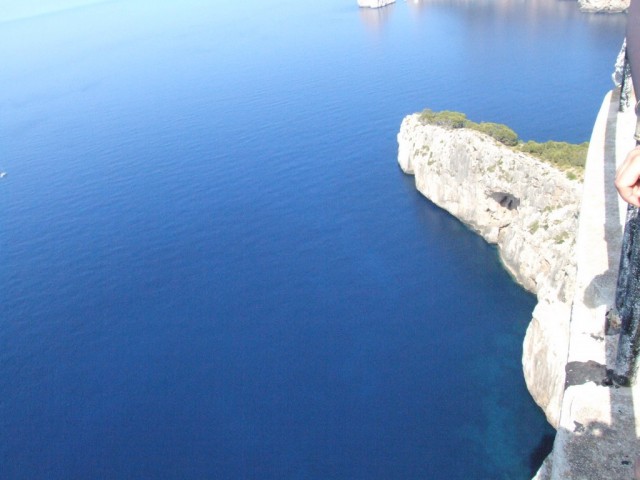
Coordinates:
[567,157]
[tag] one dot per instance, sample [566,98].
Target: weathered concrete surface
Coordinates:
[597,434]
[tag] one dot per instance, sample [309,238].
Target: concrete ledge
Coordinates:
[597,434]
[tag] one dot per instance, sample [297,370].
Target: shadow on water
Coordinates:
[520,437]
[542,450]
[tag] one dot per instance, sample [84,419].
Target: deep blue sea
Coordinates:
[211,266]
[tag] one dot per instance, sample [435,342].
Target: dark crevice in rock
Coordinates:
[506,200]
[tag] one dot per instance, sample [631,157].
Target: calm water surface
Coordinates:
[212,266]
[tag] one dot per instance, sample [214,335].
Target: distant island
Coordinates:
[603,6]
[374,3]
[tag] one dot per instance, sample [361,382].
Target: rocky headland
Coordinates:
[525,206]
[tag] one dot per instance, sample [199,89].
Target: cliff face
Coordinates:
[529,209]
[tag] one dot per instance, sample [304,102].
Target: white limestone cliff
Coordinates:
[374,3]
[529,209]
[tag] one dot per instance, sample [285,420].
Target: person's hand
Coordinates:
[628,178]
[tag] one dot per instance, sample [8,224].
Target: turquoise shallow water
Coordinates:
[212,266]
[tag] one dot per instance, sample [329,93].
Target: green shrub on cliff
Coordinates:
[445,118]
[449,119]
[500,132]
[560,154]
[564,156]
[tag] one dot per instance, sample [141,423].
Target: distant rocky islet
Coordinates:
[604,6]
[374,3]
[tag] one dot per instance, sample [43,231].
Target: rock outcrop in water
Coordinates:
[374,3]
[604,6]
[529,209]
